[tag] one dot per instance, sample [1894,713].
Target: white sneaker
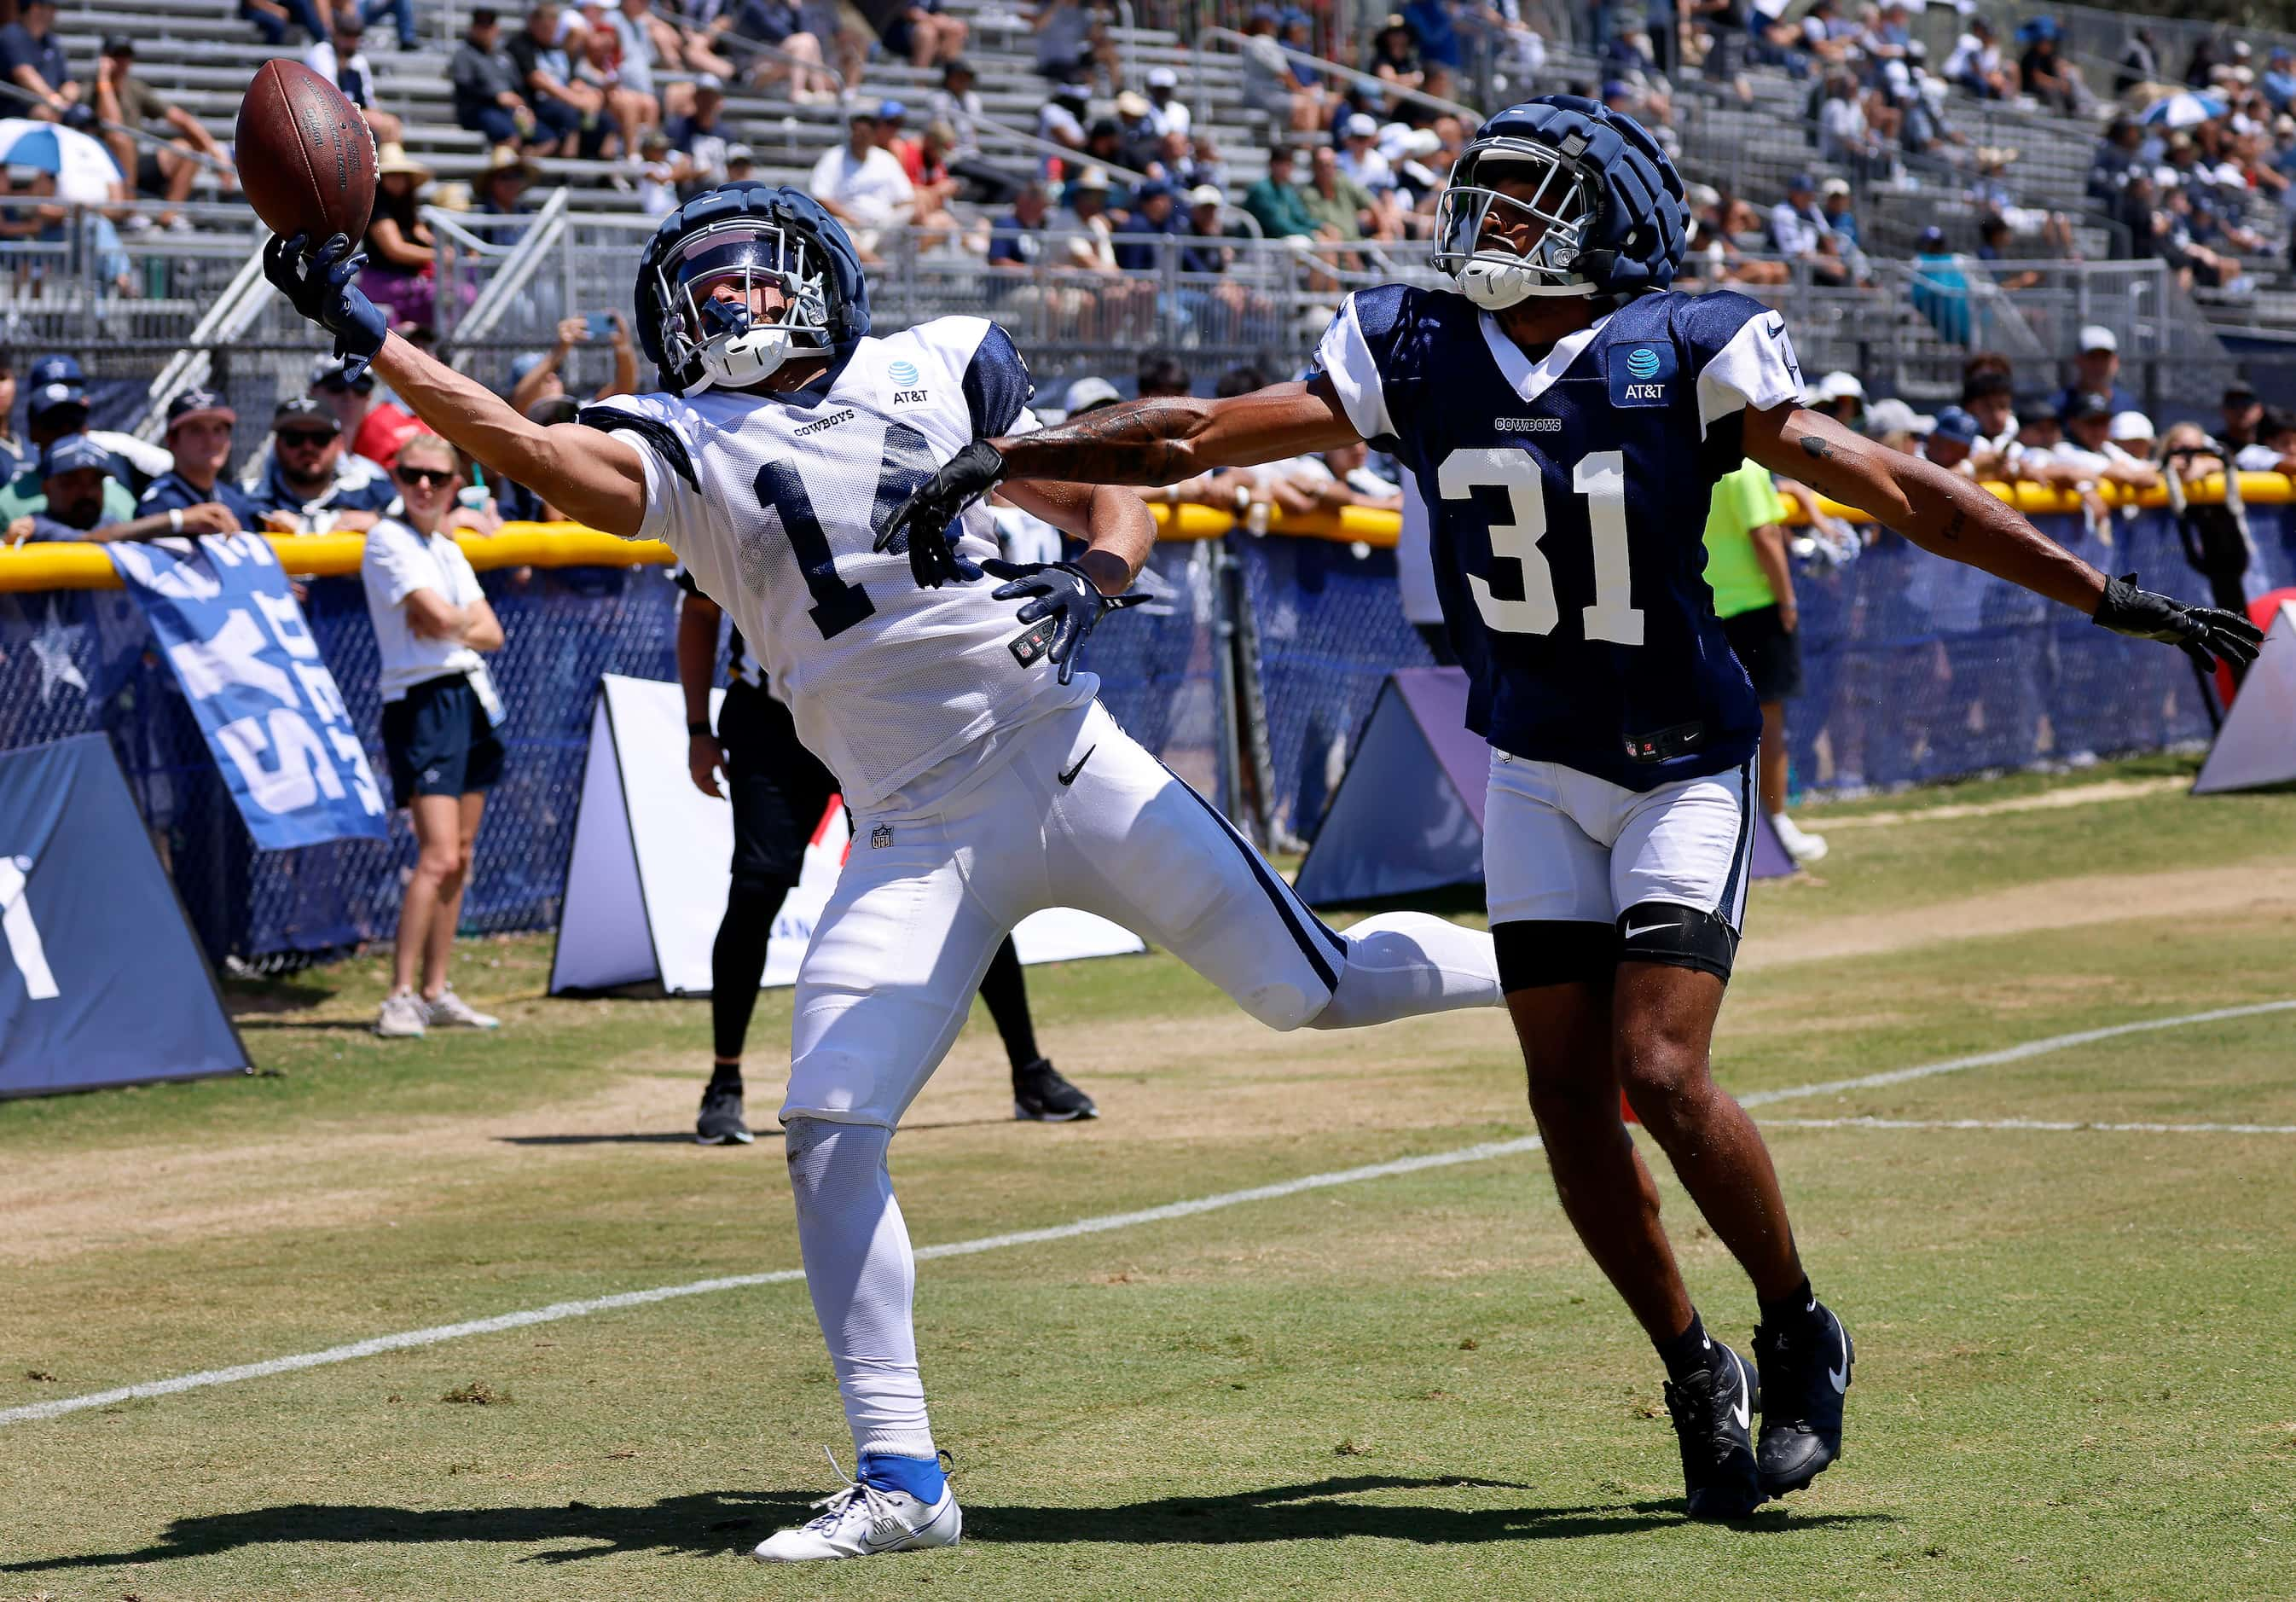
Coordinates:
[450,1011]
[863,1520]
[401,1018]
[1803,847]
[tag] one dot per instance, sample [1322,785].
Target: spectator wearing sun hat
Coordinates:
[1840,397]
[200,425]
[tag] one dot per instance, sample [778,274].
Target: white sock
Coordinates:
[864,1279]
[1403,964]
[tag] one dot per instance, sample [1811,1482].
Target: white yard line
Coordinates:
[407,1339]
[2046,1124]
[2048,800]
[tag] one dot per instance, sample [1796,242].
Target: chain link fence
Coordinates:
[1917,669]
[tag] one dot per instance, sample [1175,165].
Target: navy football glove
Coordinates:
[1060,591]
[2202,633]
[926,517]
[322,284]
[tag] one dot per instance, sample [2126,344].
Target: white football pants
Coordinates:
[1071,813]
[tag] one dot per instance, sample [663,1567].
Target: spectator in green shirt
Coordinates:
[1334,200]
[1747,570]
[1275,201]
[56,410]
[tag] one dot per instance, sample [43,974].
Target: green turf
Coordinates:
[2072,1346]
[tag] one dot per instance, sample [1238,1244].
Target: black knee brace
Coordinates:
[1678,936]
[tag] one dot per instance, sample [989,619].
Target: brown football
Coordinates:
[306,157]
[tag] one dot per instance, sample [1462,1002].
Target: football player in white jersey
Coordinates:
[985,780]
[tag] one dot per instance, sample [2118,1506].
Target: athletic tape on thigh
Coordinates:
[1534,952]
[1679,936]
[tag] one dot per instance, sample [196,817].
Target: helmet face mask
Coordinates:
[726,340]
[703,315]
[1555,206]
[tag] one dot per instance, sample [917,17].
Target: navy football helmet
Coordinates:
[1604,215]
[745,234]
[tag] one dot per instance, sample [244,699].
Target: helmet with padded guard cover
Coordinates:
[1604,202]
[744,234]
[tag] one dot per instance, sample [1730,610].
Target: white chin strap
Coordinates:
[1495,282]
[736,361]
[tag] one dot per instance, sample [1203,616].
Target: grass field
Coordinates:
[2075,1345]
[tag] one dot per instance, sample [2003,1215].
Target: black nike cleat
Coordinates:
[720,1124]
[1040,1093]
[1713,1413]
[1805,1370]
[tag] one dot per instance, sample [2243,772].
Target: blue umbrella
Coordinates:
[2183,110]
[84,170]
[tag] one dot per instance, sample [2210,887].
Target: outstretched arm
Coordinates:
[1159,441]
[587,472]
[1164,440]
[1939,511]
[1952,516]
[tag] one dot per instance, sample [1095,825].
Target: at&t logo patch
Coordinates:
[1642,375]
[903,375]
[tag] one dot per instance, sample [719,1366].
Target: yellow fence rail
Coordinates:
[69,566]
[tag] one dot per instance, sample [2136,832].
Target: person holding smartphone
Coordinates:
[539,376]
[441,720]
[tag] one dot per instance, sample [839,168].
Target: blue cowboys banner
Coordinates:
[100,983]
[224,619]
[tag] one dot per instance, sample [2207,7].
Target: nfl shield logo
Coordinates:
[880,837]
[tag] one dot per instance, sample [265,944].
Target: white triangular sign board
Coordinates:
[647,884]
[2257,746]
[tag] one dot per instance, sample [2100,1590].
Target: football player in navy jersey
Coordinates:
[1565,416]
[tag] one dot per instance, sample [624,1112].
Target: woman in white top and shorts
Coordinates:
[440,716]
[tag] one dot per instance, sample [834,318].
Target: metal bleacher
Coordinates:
[1744,136]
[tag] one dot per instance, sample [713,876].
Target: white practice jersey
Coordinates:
[772,502]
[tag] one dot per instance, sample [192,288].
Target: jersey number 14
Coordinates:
[1601,479]
[838,605]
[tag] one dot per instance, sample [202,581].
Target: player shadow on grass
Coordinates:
[708,1523]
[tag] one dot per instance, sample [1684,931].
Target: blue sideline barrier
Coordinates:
[1916,671]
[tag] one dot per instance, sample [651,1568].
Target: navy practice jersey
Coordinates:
[1567,501]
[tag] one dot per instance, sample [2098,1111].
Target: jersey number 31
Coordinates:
[1532,608]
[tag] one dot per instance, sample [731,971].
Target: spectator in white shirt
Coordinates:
[2274,449]
[1359,159]
[1061,119]
[342,61]
[1166,113]
[862,186]
[440,724]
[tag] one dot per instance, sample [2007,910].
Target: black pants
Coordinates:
[780,793]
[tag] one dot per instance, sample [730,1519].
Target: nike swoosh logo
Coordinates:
[1742,1411]
[1646,929]
[1840,1377]
[1069,777]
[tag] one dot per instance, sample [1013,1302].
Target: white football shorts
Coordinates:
[1561,846]
[1073,813]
